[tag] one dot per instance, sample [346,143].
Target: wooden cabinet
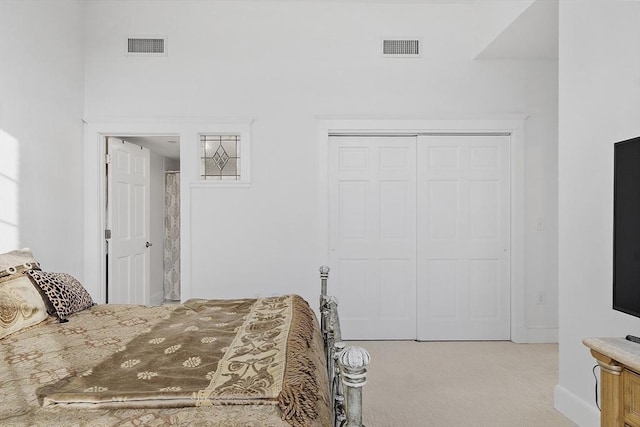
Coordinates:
[619,362]
[631,397]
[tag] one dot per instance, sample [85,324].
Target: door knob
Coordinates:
[148,244]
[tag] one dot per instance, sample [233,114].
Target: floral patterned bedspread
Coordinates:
[203,363]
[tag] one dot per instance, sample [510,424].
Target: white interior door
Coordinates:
[463,289]
[372,235]
[128,201]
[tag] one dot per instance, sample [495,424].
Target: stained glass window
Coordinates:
[220,157]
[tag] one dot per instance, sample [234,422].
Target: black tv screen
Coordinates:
[626,227]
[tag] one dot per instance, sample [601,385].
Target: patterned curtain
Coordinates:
[172,237]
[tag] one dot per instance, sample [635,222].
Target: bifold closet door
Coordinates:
[372,235]
[463,283]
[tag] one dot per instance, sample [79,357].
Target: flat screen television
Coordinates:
[626,227]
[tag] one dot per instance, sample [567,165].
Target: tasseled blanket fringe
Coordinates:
[299,395]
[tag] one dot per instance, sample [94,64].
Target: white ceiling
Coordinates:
[165,145]
[533,35]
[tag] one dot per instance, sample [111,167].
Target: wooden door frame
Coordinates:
[512,125]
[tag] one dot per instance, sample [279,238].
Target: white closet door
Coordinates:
[463,238]
[372,235]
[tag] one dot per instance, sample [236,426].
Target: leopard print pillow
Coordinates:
[65,295]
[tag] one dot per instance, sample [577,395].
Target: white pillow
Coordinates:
[18,258]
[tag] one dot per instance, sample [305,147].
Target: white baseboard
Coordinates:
[574,408]
[524,335]
[542,335]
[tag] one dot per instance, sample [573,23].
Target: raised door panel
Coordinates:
[442,296]
[139,212]
[353,207]
[122,217]
[355,273]
[396,292]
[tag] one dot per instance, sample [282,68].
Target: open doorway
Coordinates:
[142,219]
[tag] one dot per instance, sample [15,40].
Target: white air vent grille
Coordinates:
[146,46]
[401,47]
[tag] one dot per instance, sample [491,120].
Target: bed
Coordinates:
[244,362]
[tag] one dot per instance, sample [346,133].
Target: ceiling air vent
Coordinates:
[402,48]
[154,46]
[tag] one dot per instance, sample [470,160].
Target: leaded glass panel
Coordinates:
[220,157]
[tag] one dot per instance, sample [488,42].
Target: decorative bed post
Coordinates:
[324,309]
[353,364]
[346,366]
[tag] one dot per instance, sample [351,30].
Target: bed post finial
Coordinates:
[353,365]
[324,275]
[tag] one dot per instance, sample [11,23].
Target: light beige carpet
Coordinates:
[440,384]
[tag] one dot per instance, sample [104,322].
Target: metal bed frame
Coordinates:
[346,365]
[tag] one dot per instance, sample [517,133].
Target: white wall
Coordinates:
[41,142]
[599,104]
[541,199]
[284,64]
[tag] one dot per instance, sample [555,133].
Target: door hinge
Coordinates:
[107,234]
[107,158]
